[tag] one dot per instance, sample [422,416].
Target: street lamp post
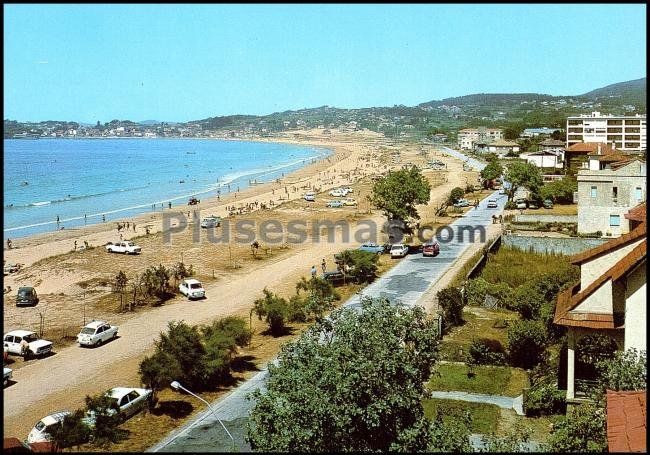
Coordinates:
[176,385]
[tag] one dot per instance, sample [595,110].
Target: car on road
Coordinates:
[492,204]
[334,277]
[26,296]
[502,191]
[461,203]
[41,431]
[399,250]
[337,193]
[192,289]
[547,203]
[372,248]
[35,347]
[350,201]
[129,400]
[211,221]
[96,333]
[123,247]
[8,372]
[520,203]
[310,196]
[430,248]
[336,203]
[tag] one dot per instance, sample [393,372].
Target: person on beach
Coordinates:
[75,245]
[323,265]
[85,218]
[170,204]
[313,271]
[133,227]
[103,218]
[8,244]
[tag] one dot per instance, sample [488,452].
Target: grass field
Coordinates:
[485,417]
[505,381]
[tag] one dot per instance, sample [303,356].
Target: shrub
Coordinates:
[107,419]
[527,301]
[274,309]
[451,301]
[626,371]
[546,314]
[486,351]
[526,343]
[233,326]
[510,205]
[583,429]
[155,281]
[455,194]
[545,399]
[297,311]
[320,296]
[477,289]
[361,266]
[72,431]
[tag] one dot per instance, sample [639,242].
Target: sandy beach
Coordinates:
[75,285]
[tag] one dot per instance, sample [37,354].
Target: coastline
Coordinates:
[29,249]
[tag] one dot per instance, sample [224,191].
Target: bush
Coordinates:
[477,289]
[527,301]
[526,343]
[486,351]
[361,266]
[455,194]
[232,326]
[274,309]
[72,431]
[451,301]
[583,429]
[510,205]
[545,399]
[297,311]
[107,419]
[319,298]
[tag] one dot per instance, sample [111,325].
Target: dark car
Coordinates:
[334,278]
[431,248]
[548,204]
[26,296]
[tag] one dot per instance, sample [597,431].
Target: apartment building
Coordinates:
[469,136]
[626,133]
[612,185]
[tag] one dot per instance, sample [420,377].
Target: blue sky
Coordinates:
[187,62]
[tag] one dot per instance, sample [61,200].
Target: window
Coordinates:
[594,191]
[638,194]
[614,193]
[614,220]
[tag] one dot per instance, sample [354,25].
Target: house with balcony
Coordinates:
[469,136]
[576,156]
[609,301]
[612,185]
[627,133]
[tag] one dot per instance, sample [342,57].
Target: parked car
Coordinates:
[461,203]
[95,333]
[337,193]
[492,204]
[35,347]
[26,296]
[335,203]
[41,431]
[548,204]
[211,221]
[347,190]
[8,372]
[350,201]
[399,250]
[335,277]
[373,248]
[123,247]
[533,205]
[502,191]
[192,289]
[129,400]
[309,197]
[520,203]
[430,248]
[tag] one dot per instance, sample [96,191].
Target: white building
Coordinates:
[534,132]
[468,136]
[627,133]
[549,158]
[611,186]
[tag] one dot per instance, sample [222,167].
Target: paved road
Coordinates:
[406,282]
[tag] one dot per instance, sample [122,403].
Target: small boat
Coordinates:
[181,181]
[191,153]
[24,183]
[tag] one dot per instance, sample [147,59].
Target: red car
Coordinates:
[431,248]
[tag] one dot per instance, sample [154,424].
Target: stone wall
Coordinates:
[567,246]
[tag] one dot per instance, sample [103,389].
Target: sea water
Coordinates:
[82,181]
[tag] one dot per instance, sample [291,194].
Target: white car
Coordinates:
[350,201]
[130,400]
[399,250]
[492,204]
[211,221]
[310,197]
[40,431]
[347,190]
[192,289]
[36,347]
[96,333]
[8,372]
[338,193]
[123,247]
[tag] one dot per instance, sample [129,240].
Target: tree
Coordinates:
[351,382]
[399,192]
[558,135]
[560,191]
[158,371]
[455,194]
[361,266]
[450,431]
[107,418]
[72,431]
[626,371]
[179,272]
[184,345]
[320,296]
[155,281]
[526,343]
[583,429]
[491,172]
[274,309]
[451,301]
[523,174]
[119,285]
[528,301]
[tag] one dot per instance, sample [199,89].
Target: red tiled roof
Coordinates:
[612,245]
[572,297]
[626,421]
[637,213]
[590,147]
